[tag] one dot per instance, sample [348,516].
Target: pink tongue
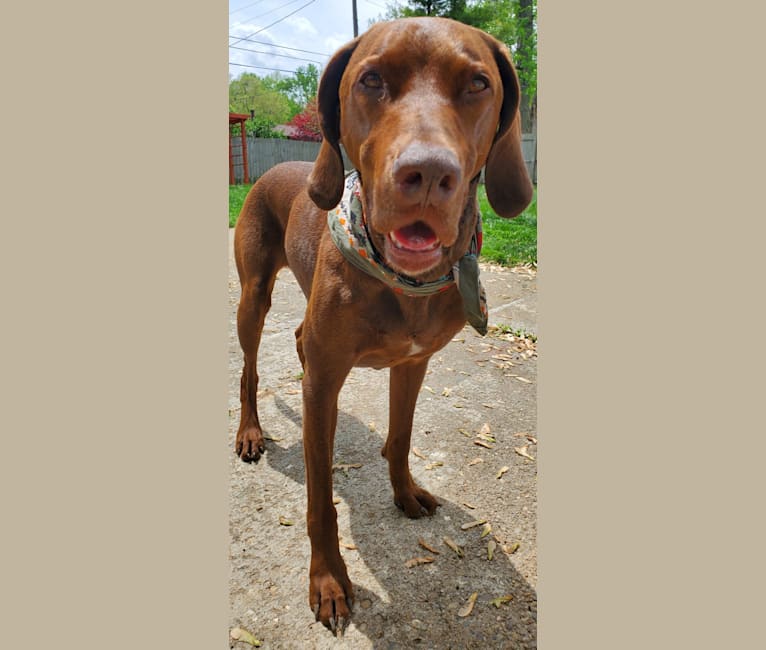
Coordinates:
[415,237]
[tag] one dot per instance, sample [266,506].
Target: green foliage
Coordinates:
[300,88]
[249,91]
[445,8]
[259,127]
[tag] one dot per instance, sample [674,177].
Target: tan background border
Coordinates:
[650,281]
[114,483]
[114,340]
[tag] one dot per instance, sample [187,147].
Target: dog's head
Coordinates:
[421,105]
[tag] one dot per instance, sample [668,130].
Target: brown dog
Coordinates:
[420,105]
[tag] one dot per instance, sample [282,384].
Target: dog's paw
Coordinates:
[250,444]
[415,502]
[331,598]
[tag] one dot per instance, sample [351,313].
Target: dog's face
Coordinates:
[417,104]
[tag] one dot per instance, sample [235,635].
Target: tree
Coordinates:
[444,8]
[249,92]
[306,124]
[301,87]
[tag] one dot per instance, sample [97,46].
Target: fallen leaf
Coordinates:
[417,561]
[266,436]
[481,443]
[523,380]
[469,505]
[459,406]
[428,546]
[446,392]
[431,466]
[429,389]
[486,436]
[520,434]
[238,634]
[457,340]
[335,501]
[510,550]
[522,451]
[467,434]
[501,601]
[466,609]
[485,429]
[488,406]
[346,466]
[285,522]
[502,471]
[371,426]
[350,547]
[491,546]
[532,439]
[473,524]
[449,542]
[475,461]
[486,530]
[418,453]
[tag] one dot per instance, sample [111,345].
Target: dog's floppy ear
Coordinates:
[509,188]
[325,185]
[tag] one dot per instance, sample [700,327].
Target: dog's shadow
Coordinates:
[418,605]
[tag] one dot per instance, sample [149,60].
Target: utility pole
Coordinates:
[356,21]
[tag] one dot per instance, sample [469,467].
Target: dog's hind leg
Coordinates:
[260,254]
[405,381]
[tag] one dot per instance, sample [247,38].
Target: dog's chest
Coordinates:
[404,335]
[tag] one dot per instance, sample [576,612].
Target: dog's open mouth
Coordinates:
[413,249]
[416,238]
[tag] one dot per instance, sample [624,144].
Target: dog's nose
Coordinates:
[426,174]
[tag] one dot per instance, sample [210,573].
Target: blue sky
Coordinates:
[314,32]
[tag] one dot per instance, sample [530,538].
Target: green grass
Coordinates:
[237,194]
[509,241]
[506,241]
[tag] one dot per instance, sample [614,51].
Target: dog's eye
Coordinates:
[478,83]
[372,80]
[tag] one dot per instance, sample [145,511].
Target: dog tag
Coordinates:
[472,292]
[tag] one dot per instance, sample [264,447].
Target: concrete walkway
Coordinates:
[474,386]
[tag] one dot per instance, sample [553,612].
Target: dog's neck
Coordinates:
[349,233]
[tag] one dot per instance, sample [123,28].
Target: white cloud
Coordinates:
[302,25]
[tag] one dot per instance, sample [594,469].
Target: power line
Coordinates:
[283,47]
[245,7]
[260,67]
[276,21]
[265,13]
[284,56]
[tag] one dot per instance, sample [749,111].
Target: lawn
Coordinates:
[506,241]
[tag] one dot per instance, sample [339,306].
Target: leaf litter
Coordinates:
[417,561]
[239,634]
[466,609]
[428,546]
[451,543]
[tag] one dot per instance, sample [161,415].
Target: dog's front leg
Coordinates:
[406,379]
[330,591]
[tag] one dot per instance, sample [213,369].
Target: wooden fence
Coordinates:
[264,153]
